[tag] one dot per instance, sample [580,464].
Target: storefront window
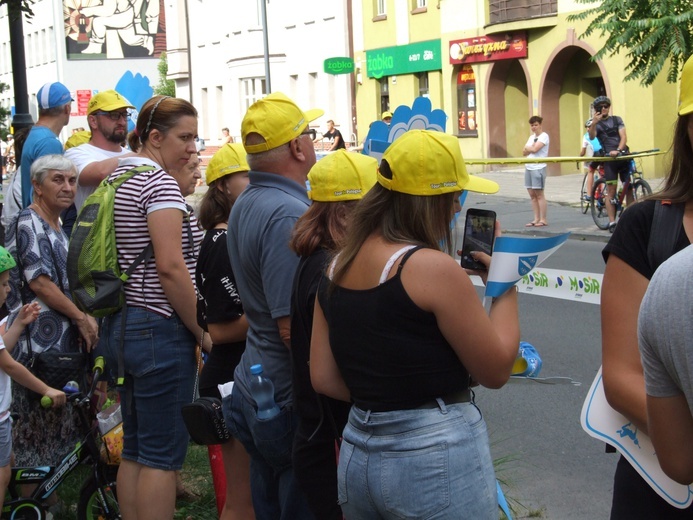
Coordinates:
[423,84]
[467,121]
[384,94]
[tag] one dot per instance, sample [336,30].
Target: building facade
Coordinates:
[218,61]
[89,45]
[498,63]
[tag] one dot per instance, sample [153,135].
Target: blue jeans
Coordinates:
[159,378]
[268,442]
[424,463]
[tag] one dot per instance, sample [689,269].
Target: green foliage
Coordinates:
[654,34]
[14,6]
[166,87]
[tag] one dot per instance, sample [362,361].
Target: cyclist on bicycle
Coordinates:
[596,150]
[611,132]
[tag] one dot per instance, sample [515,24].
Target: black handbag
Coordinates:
[57,368]
[203,417]
[205,421]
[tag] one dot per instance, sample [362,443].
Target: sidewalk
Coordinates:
[563,195]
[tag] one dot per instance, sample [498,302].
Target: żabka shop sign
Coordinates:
[488,48]
[404,59]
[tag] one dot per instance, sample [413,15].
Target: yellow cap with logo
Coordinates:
[277,120]
[426,162]
[341,176]
[228,160]
[107,101]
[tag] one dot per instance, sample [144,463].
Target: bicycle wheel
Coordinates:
[584,204]
[598,204]
[641,189]
[91,506]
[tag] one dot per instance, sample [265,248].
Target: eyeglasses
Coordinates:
[311,132]
[601,107]
[115,116]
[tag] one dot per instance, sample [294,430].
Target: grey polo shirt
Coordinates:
[260,227]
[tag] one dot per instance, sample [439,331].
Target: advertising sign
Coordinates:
[404,59]
[338,65]
[488,48]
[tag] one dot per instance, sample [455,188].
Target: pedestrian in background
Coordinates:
[590,148]
[611,132]
[280,152]
[335,185]
[220,311]
[158,349]
[400,331]
[535,173]
[628,270]
[334,136]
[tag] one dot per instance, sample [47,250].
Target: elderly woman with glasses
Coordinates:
[39,245]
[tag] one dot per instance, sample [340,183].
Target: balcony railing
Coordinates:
[501,11]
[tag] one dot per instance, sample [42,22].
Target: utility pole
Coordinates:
[268,81]
[22,117]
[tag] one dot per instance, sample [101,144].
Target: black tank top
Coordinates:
[389,351]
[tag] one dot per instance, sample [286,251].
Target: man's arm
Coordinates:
[670,425]
[95,172]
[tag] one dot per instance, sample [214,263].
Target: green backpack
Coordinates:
[96,281]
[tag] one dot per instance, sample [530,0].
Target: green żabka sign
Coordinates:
[404,59]
[339,65]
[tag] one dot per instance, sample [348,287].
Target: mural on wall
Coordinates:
[112,29]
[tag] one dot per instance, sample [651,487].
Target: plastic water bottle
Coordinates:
[262,390]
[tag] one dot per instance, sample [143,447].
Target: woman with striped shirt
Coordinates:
[160,327]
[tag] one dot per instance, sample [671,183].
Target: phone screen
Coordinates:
[479,227]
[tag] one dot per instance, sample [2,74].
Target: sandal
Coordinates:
[530,224]
[540,224]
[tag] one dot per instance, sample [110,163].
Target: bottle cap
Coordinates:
[256,369]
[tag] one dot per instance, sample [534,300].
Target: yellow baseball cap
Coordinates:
[425,162]
[228,160]
[686,94]
[277,119]
[107,101]
[386,114]
[81,137]
[341,176]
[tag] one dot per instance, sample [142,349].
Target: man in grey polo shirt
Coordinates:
[280,154]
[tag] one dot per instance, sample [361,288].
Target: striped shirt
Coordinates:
[135,200]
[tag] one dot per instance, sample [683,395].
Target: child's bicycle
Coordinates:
[635,182]
[97,498]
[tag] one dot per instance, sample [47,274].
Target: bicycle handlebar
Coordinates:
[97,370]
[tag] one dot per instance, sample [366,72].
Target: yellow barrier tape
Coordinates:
[526,160]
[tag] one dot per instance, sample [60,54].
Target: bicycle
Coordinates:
[97,498]
[585,195]
[635,182]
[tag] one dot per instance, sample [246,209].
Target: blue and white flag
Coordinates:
[515,257]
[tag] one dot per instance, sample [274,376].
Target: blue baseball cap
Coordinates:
[53,95]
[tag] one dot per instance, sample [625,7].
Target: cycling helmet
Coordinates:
[601,100]
[6,260]
[588,123]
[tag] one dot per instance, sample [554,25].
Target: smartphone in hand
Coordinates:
[479,232]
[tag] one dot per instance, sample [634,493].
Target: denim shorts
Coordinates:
[5,442]
[160,365]
[424,463]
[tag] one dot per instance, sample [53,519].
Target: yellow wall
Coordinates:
[649,113]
